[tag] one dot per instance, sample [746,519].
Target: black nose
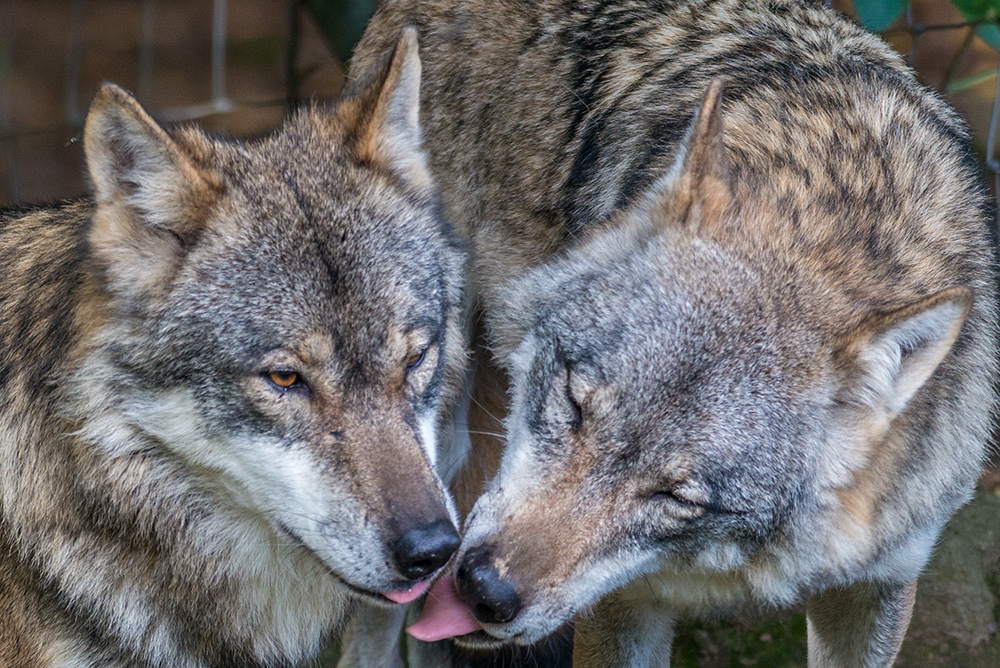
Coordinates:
[423,550]
[493,599]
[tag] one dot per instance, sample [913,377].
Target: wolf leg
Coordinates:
[861,626]
[624,632]
[371,639]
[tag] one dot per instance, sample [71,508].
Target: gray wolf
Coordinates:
[222,376]
[737,263]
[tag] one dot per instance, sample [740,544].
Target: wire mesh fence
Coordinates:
[238,65]
[949,83]
[233,65]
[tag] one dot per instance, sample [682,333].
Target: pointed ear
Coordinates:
[384,113]
[151,196]
[892,355]
[698,189]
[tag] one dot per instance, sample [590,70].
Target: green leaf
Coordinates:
[878,15]
[342,22]
[975,10]
[982,10]
[990,35]
[970,81]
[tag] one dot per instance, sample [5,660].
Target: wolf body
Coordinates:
[737,263]
[222,377]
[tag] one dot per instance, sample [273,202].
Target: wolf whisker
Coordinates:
[485,410]
[485,433]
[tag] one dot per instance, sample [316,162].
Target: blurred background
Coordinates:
[239,66]
[236,67]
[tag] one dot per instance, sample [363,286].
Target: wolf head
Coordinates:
[282,321]
[678,402]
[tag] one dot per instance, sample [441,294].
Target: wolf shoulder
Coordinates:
[44,293]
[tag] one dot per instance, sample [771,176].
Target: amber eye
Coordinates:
[415,360]
[283,379]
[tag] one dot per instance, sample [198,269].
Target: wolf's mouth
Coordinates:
[445,615]
[403,592]
[372,596]
[409,592]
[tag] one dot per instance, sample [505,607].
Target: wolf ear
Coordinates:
[384,113]
[151,197]
[698,192]
[894,354]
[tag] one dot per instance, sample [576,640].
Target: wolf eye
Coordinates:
[415,360]
[680,496]
[284,379]
[669,495]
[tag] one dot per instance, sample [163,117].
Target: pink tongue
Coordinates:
[444,614]
[407,595]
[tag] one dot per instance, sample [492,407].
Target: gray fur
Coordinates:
[736,261]
[163,500]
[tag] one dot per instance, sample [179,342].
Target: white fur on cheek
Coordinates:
[257,474]
[275,482]
[518,467]
[428,437]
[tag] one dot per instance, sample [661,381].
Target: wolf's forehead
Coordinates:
[316,348]
[662,351]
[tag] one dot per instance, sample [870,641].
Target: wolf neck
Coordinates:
[147,553]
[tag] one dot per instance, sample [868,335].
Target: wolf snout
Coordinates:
[424,549]
[494,600]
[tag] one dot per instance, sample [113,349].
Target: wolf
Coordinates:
[737,263]
[222,378]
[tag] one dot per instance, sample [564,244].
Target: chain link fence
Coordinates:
[236,66]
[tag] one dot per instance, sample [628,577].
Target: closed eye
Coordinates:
[576,420]
[415,360]
[670,495]
[674,496]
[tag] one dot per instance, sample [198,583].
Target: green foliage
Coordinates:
[990,34]
[978,9]
[878,15]
[342,22]
[982,10]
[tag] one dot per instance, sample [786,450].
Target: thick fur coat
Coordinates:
[221,380]
[738,265]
